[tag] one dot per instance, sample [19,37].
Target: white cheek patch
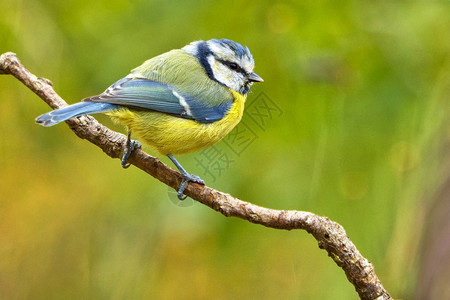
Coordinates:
[224,75]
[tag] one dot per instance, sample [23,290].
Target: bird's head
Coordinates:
[226,62]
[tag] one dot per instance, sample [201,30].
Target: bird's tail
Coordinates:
[75,110]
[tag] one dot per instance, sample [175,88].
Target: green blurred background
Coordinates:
[363,137]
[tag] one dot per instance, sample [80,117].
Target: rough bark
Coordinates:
[330,235]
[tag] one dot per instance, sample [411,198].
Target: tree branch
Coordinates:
[330,235]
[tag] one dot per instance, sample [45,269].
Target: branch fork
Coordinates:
[330,235]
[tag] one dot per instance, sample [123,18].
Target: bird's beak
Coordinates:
[255,77]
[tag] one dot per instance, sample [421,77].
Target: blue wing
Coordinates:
[144,94]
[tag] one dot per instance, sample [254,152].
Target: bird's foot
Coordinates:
[185,181]
[186,178]
[131,146]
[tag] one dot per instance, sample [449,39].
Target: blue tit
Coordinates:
[178,102]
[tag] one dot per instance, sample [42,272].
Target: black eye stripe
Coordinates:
[232,65]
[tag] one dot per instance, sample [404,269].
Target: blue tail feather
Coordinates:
[75,110]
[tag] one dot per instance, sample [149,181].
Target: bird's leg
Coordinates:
[131,145]
[186,177]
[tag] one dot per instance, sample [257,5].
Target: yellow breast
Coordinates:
[173,135]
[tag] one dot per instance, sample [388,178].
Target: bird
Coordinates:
[178,102]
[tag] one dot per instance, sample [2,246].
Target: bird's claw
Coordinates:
[131,146]
[184,183]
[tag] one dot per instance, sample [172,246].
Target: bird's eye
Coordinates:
[233,66]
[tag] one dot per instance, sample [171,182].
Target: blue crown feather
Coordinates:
[235,47]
